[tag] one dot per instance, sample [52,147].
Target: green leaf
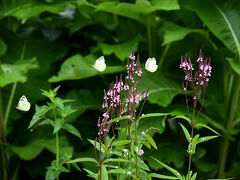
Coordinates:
[187,135]
[161,176]
[78,67]
[175,172]
[104,173]
[183,117]
[119,8]
[207,127]
[150,140]
[3,47]
[58,125]
[206,138]
[115,160]
[82,160]
[152,115]
[120,118]
[121,143]
[123,50]
[29,151]
[51,174]
[70,128]
[91,174]
[222,18]
[162,90]
[75,165]
[194,176]
[28,8]
[17,72]
[174,32]
[147,7]
[39,114]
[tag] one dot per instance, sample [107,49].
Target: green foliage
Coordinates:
[43,42]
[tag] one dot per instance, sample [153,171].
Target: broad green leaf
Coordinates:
[71,129]
[104,173]
[150,115]
[79,67]
[161,89]
[175,172]
[17,72]
[39,114]
[119,8]
[222,18]
[58,125]
[150,140]
[115,160]
[146,7]
[29,151]
[122,51]
[155,175]
[82,160]
[207,127]
[25,9]
[187,135]
[121,143]
[206,138]
[174,32]
[3,47]
[235,64]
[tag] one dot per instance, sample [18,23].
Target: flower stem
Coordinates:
[135,126]
[226,142]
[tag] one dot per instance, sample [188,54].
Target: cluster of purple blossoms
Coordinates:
[114,103]
[201,77]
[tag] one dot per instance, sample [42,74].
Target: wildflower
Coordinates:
[141,152]
[129,173]
[151,65]
[99,64]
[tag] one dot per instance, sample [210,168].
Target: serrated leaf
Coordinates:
[82,160]
[40,112]
[187,135]
[150,140]
[71,129]
[58,125]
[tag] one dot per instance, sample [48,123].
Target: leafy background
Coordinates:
[46,43]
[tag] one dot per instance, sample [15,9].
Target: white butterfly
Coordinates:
[151,65]
[23,104]
[99,64]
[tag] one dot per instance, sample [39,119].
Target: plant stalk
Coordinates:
[232,111]
[9,105]
[57,153]
[135,126]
